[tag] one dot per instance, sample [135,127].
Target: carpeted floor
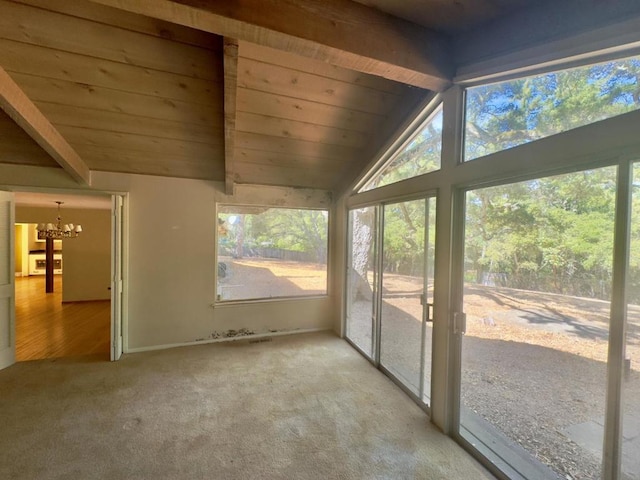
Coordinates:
[296,407]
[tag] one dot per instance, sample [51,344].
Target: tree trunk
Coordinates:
[362,242]
[239,253]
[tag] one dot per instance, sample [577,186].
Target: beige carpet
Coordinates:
[297,407]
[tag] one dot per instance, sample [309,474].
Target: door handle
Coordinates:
[428,306]
[429,312]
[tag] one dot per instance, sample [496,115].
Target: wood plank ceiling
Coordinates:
[136,94]
[448,16]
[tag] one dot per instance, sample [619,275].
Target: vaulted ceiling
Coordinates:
[299,93]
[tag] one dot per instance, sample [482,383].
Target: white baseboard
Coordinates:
[226,339]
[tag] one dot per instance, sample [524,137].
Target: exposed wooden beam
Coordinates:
[230,60]
[340,32]
[18,147]
[22,110]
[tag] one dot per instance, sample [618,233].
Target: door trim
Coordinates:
[8,354]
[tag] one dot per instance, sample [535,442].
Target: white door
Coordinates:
[7,287]
[116,276]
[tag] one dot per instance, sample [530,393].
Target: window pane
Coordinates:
[268,252]
[538,266]
[407,293]
[419,156]
[403,292]
[507,114]
[362,280]
[631,379]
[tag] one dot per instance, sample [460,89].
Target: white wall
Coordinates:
[172,227]
[171,256]
[86,267]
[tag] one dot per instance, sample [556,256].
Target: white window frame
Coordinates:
[220,301]
[415,126]
[612,141]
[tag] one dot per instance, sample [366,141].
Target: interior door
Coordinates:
[405,294]
[116,276]
[7,287]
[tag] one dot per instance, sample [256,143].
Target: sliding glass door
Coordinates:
[405,294]
[631,375]
[362,279]
[390,289]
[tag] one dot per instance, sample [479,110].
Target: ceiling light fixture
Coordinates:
[58,231]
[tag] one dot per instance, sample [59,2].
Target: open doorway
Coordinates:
[75,318]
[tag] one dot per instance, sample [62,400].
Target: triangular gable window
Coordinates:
[419,155]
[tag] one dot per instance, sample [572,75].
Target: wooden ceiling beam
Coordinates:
[24,112]
[230,61]
[340,32]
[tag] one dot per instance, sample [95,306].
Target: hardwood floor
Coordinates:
[47,328]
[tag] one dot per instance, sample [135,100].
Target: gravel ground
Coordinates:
[534,367]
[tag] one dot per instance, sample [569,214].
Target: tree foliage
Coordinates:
[421,155]
[551,234]
[255,231]
[504,115]
[406,224]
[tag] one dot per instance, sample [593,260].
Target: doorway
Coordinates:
[74,319]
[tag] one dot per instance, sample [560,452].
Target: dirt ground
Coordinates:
[250,278]
[533,364]
[533,367]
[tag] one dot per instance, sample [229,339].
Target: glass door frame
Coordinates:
[376,269]
[613,415]
[612,450]
[605,143]
[377,291]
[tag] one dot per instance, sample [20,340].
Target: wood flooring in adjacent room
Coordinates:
[47,328]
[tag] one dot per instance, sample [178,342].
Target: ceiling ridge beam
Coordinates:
[230,62]
[340,32]
[25,113]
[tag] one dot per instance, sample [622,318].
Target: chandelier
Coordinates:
[58,231]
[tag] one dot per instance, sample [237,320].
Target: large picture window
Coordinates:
[266,252]
[538,277]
